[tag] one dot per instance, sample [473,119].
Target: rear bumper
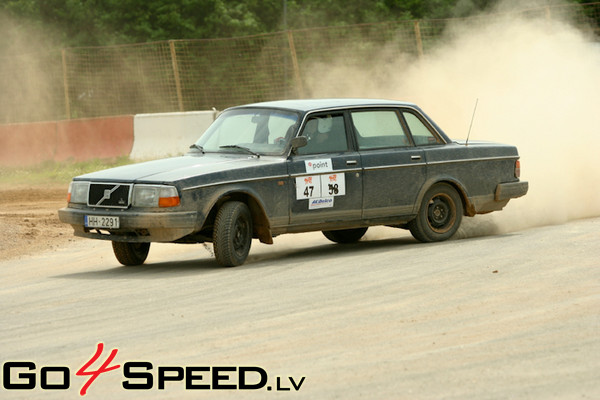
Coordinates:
[134,226]
[510,190]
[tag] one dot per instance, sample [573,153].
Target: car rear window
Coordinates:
[379,129]
[419,131]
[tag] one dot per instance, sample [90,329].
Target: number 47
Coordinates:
[308,191]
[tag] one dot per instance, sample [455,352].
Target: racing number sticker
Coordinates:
[320,186]
[333,185]
[308,187]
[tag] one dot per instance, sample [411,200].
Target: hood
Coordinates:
[174,169]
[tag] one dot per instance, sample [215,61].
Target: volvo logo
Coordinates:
[107,193]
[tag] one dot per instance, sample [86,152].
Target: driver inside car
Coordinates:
[318,132]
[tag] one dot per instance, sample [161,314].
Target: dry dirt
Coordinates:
[29,220]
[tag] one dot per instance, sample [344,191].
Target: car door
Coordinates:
[325,174]
[394,169]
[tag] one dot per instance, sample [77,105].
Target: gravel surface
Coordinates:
[511,315]
[29,220]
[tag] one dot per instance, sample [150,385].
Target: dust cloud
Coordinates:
[28,68]
[537,81]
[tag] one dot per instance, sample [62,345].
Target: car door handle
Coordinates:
[415,158]
[351,162]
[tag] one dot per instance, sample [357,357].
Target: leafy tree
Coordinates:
[104,22]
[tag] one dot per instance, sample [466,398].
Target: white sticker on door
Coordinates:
[308,187]
[322,202]
[320,187]
[333,184]
[323,165]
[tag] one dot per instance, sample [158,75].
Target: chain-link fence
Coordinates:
[184,75]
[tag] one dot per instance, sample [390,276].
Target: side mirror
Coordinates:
[299,141]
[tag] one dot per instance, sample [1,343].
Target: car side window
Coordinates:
[325,134]
[379,129]
[421,134]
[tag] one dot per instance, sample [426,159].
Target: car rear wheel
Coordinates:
[440,214]
[345,235]
[232,235]
[131,253]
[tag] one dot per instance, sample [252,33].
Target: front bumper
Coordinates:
[511,190]
[134,226]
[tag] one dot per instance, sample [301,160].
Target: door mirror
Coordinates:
[299,141]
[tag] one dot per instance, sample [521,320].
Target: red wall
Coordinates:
[86,139]
[77,140]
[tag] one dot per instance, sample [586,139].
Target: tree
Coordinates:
[105,22]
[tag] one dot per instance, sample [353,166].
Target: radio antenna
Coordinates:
[472,118]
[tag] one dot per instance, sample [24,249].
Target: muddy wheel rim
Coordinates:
[441,213]
[241,234]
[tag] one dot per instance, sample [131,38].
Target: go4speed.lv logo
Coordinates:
[142,375]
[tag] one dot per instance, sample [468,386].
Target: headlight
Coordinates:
[155,196]
[78,192]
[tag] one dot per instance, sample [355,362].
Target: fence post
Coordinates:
[418,39]
[299,85]
[63,53]
[176,74]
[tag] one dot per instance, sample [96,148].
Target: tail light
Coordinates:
[517,169]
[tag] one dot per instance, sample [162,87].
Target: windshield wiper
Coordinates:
[197,147]
[236,146]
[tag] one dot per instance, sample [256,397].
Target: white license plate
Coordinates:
[97,221]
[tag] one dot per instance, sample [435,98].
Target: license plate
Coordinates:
[96,221]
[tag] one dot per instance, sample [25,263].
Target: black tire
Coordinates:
[131,253]
[232,234]
[345,235]
[440,214]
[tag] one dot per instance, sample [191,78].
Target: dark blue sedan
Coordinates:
[331,165]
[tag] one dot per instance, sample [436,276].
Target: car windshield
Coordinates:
[257,131]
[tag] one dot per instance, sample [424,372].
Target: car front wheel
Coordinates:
[232,235]
[440,214]
[131,253]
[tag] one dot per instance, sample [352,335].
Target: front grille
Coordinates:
[112,195]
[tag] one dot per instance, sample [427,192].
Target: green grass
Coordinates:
[51,172]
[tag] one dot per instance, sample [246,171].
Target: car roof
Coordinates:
[307,105]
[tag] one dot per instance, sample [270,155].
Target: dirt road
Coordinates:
[29,222]
[506,316]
